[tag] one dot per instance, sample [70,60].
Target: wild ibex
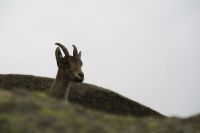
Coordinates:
[69,70]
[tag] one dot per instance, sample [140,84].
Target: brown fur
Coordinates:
[69,70]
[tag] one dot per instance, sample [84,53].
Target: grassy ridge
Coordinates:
[25,108]
[25,112]
[87,95]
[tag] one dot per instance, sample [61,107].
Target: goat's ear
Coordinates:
[58,55]
[79,54]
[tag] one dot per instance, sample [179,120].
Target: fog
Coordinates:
[145,50]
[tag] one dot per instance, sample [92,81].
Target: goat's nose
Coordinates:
[81,74]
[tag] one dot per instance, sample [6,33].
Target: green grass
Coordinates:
[25,112]
[26,108]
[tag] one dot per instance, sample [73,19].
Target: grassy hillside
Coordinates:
[89,96]
[23,110]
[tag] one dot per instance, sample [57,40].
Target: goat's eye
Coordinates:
[65,63]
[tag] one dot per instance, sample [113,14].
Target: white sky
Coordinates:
[145,50]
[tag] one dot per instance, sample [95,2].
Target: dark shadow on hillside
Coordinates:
[89,96]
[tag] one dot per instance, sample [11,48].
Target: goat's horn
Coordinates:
[63,48]
[75,52]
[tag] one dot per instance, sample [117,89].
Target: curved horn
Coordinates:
[75,52]
[63,48]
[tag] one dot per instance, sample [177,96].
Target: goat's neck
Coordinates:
[61,86]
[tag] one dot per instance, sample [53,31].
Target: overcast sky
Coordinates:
[146,50]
